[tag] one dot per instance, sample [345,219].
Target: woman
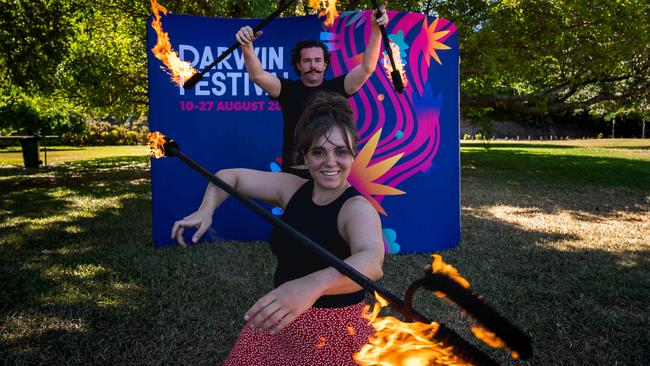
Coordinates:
[312,316]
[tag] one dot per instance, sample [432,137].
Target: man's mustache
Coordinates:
[313,71]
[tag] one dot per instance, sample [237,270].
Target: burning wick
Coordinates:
[157,144]
[398,63]
[326,8]
[178,69]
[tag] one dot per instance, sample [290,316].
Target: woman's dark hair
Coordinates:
[310,43]
[324,111]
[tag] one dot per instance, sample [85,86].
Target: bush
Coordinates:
[467,136]
[101,132]
[20,113]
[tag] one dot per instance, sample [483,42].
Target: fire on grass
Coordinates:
[398,343]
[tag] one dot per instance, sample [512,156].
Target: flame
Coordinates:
[179,70]
[325,8]
[396,343]
[433,37]
[156,144]
[398,63]
[491,339]
[439,265]
[488,337]
[362,176]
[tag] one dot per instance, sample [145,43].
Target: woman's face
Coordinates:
[329,160]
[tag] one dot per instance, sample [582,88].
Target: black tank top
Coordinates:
[318,223]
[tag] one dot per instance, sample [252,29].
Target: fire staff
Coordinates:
[310,300]
[310,60]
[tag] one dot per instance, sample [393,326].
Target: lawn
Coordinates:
[555,235]
[12,156]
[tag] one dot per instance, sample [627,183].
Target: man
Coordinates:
[310,60]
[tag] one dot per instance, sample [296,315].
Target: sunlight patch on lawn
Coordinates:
[74,207]
[86,283]
[25,325]
[618,232]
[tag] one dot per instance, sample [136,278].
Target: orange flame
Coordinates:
[325,8]
[491,339]
[396,343]
[179,70]
[156,144]
[398,63]
[439,265]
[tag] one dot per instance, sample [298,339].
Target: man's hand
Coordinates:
[200,219]
[245,36]
[381,19]
[281,306]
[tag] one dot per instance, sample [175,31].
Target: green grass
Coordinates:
[555,237]
[12,155]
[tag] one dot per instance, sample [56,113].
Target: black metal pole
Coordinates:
[396,75]
[191,82]
[462,348]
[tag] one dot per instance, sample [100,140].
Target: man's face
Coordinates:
[312,66]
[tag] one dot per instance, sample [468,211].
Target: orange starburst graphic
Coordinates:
[179,70]
[433,37]
[362,176]
[326,8]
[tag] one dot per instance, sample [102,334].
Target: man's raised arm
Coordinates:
[262,78]
[355,79]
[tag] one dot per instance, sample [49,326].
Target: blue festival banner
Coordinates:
[407,164]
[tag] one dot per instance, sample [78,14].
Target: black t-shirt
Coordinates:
[294,98]
[320,224]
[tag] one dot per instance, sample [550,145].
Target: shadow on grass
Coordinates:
[89,288]
[523,167]
[80,282]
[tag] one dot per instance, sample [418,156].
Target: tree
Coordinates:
[541,56]
[528,58]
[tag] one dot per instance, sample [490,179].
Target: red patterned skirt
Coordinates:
[319,336]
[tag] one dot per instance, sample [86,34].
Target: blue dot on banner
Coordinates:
[399,134]
[274,167]
[390,246]
[277,211]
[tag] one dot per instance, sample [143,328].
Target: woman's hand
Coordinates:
[281,306]
[202,220]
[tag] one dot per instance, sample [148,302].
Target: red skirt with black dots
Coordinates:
[319,336]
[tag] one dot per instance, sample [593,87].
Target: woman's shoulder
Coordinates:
[357,205]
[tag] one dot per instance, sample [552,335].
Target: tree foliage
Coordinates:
[523,57]
[541,56]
